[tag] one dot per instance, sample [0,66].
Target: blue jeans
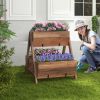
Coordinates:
[87,57]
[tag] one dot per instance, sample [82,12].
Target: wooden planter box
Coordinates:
[41,70]
[56,69]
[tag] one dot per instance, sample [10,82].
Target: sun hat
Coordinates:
[79,23]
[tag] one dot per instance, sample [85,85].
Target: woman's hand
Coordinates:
[91,45]
[82,42]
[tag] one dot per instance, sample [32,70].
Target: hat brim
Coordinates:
[79,27]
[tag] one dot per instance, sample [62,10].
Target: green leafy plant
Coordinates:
[5,32]
[5,62]
[95,23]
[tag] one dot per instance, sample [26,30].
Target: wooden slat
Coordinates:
[50,34]
[50,41]
[57,64]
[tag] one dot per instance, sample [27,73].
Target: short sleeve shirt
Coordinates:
[92,33]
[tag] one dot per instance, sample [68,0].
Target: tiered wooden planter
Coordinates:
[50,69]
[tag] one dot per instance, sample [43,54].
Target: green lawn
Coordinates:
[86,87]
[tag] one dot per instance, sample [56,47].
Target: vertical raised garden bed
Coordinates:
[50,69]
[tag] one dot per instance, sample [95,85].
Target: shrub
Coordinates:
[95,23]
[6,74]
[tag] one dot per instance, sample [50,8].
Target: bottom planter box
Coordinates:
[56,69]
[52,69]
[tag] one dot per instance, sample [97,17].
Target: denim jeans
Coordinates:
[87,57]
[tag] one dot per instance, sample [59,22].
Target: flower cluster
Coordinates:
[53,57]
[46,51]
[49,26]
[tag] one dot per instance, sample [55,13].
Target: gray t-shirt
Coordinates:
[92,33]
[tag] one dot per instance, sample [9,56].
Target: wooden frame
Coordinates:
[21,9]
[58,10]
[50,69]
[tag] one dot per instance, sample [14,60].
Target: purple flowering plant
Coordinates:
[51,54]
[54,57]
[50,26]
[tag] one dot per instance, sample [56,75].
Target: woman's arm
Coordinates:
[91,45]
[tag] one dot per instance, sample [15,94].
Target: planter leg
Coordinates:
[36,81]
[75,76]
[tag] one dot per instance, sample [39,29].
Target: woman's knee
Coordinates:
[85,49]
[82,59]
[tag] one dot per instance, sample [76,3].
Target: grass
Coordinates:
[86,87]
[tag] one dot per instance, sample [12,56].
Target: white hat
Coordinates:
[79,23]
